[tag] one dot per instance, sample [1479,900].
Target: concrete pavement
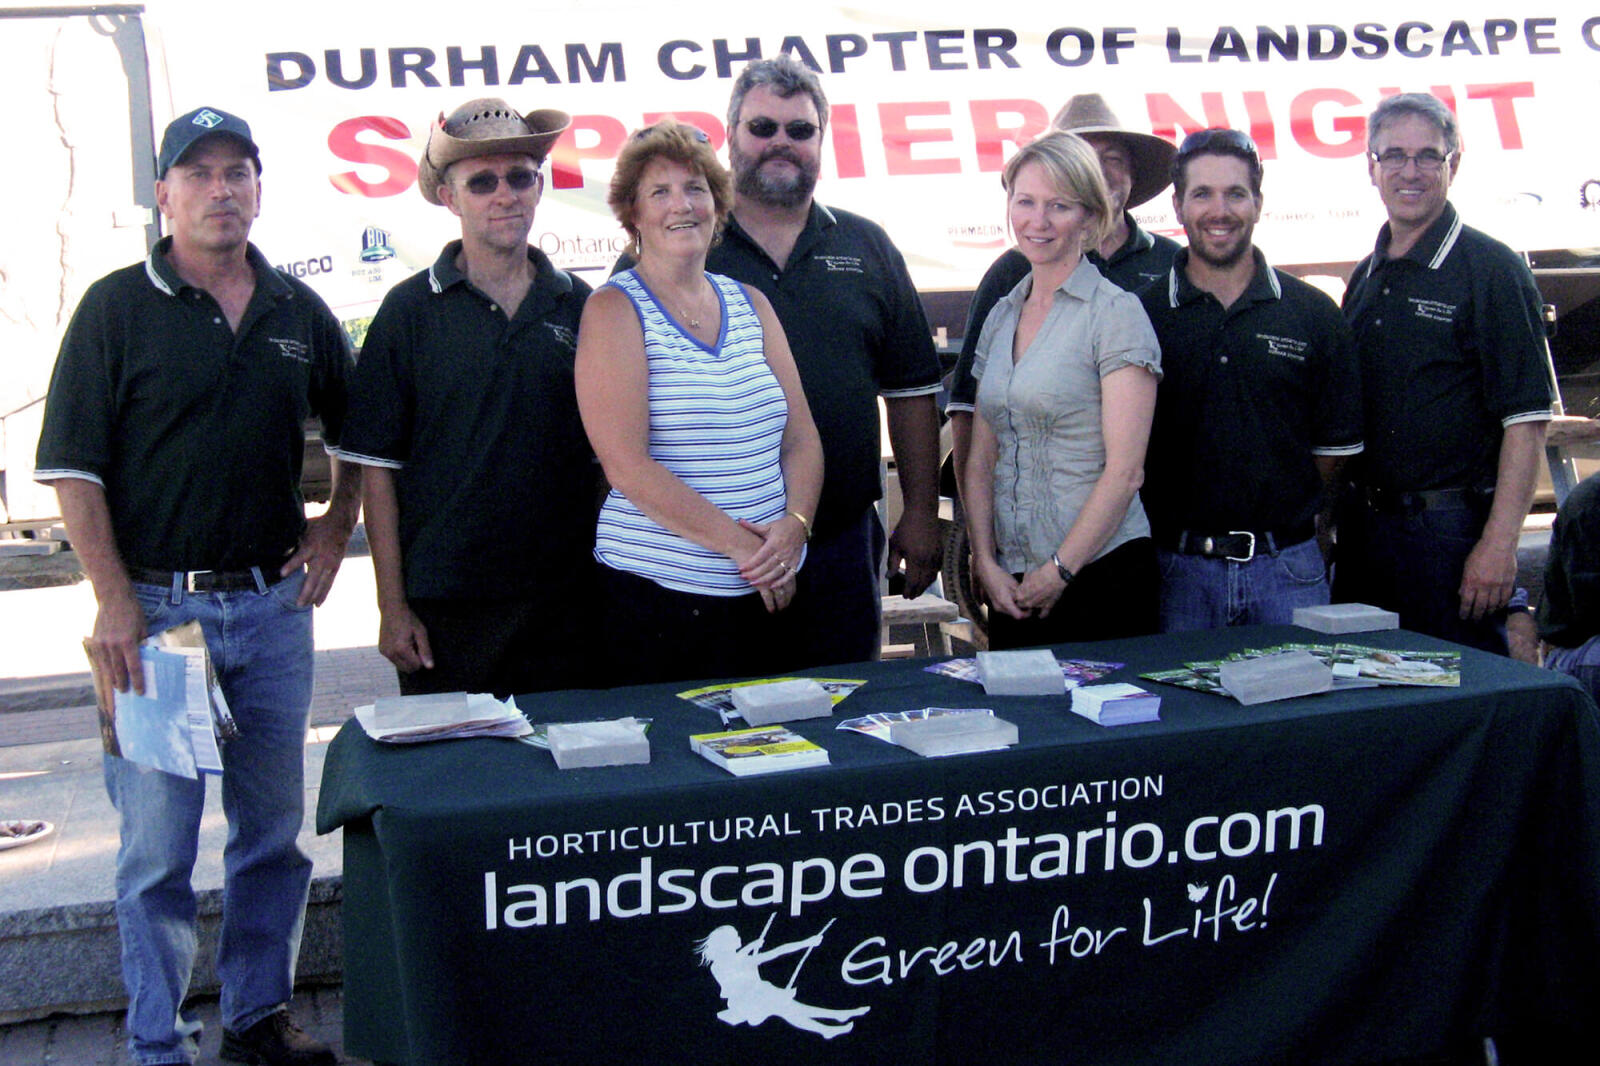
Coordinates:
[60,979]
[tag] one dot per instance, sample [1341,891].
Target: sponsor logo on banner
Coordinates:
[375,246]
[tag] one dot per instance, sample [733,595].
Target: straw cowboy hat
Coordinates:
[485,127]
[1152,155]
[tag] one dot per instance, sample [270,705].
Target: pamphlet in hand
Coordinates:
[175,725]
[764,750]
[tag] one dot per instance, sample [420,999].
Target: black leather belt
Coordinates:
[208,580]
[1236,545]
[1394,501]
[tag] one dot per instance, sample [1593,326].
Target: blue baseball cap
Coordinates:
[185,131]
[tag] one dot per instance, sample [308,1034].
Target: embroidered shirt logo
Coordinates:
[1286,347]
[842,264]
[290,348]
[208,118]
[564,336]
[1432,310]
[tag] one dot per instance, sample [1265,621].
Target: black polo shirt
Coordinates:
[1250,394]
[1142,259]
[477,416]
[1570,613]
[857,329]
[1452,352]
[194,431]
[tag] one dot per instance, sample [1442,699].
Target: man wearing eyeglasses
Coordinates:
[858,331]
[1456,392]
[1258,410]
[173,437]
[480,489]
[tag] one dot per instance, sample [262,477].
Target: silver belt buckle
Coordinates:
[1251,554]
[188,579]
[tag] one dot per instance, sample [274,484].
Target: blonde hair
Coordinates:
[1073,169]
[680,143]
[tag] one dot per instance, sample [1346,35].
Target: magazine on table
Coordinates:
[719,698]
[1074,671]
[762,750]
[1354,666]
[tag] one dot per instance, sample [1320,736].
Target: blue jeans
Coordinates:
[1582,662]
[260,645]
[1202,593]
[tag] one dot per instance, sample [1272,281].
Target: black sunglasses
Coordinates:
[1203,142]
[797,129]
[485,182]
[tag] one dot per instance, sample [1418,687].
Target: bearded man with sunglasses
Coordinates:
[858,331]
[481,488]
[1456,390]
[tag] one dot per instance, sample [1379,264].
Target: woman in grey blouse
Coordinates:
[1068,367]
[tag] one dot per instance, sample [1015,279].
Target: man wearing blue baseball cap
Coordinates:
[173,437]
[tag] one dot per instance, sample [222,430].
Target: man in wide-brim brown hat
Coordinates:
[480,509]
[1135,166]
[485,127]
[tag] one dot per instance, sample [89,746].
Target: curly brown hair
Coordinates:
[680,143]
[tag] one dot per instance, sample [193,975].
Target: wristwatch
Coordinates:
[1066,575]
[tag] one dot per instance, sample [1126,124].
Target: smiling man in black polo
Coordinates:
[1457,395]
[481,489]
[1259,408]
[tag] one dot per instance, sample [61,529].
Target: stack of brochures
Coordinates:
[441,716]
[1119,704]
[765,750]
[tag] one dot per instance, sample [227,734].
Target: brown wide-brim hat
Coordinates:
[1152,155]
[489,126]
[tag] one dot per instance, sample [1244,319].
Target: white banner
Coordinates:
[926,107]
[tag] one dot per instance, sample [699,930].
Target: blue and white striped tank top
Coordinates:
[716,421]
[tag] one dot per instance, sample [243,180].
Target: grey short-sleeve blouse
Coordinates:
[1045,410]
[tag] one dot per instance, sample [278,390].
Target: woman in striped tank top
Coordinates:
[691,399]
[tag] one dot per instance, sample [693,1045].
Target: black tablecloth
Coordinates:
[1351,877]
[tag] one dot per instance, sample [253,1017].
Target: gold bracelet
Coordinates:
[805,525]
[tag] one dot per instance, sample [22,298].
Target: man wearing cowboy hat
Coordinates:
[1259,407]
[173,437]
[480,485]
[1135,168]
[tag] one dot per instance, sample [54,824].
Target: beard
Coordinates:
[751,182]
[1241,250]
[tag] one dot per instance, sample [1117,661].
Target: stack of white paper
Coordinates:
[1275,677]
[577,745]
[1345,618]
[782,701]
[1030,672]
[441,716]
[954,734]
[1119,704]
